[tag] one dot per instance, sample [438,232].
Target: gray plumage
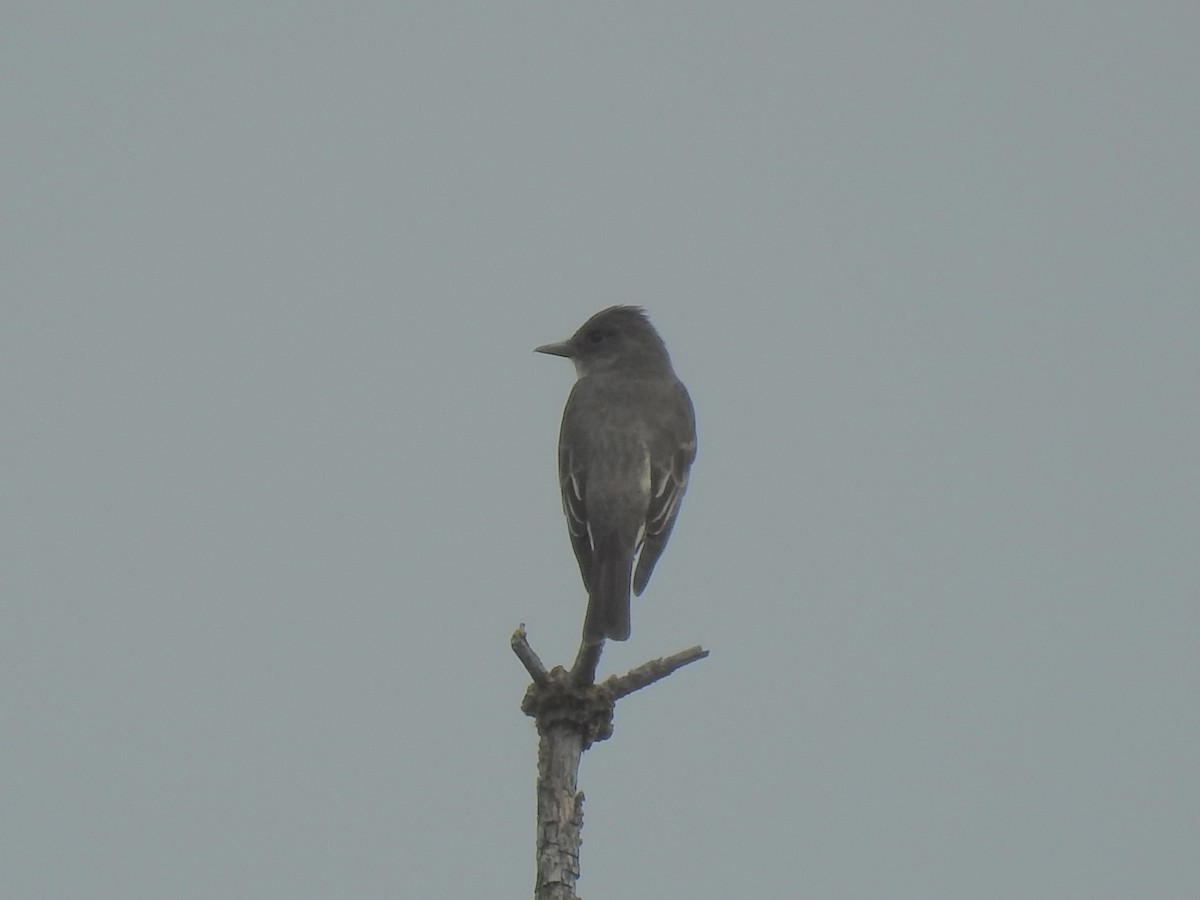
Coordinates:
[627,442]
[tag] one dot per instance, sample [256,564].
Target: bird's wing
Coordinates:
[571,481]
[668,482]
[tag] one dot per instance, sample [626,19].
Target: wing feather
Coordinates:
[668,483]
[574,488]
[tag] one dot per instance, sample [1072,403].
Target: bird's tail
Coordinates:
[608,602]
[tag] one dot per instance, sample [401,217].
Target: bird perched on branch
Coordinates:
[627,442]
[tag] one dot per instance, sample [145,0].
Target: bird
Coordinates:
[625,449]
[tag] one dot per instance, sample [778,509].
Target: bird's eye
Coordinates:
[595,336]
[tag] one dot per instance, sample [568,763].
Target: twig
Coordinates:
[648,673]
[584,671]
[531,661]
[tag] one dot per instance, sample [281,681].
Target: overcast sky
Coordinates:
[278,461]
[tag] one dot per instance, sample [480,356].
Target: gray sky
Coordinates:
[278,461]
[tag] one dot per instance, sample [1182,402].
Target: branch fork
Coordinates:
[572,713]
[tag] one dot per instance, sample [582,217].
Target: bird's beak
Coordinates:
[562,348]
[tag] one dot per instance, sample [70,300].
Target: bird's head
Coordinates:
[617,339]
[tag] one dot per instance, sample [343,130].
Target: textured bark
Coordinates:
[559,812]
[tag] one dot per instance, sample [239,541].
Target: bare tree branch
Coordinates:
[648,673]
[588,658]
[531,661]
[572,713]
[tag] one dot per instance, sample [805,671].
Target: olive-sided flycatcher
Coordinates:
[627,442]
